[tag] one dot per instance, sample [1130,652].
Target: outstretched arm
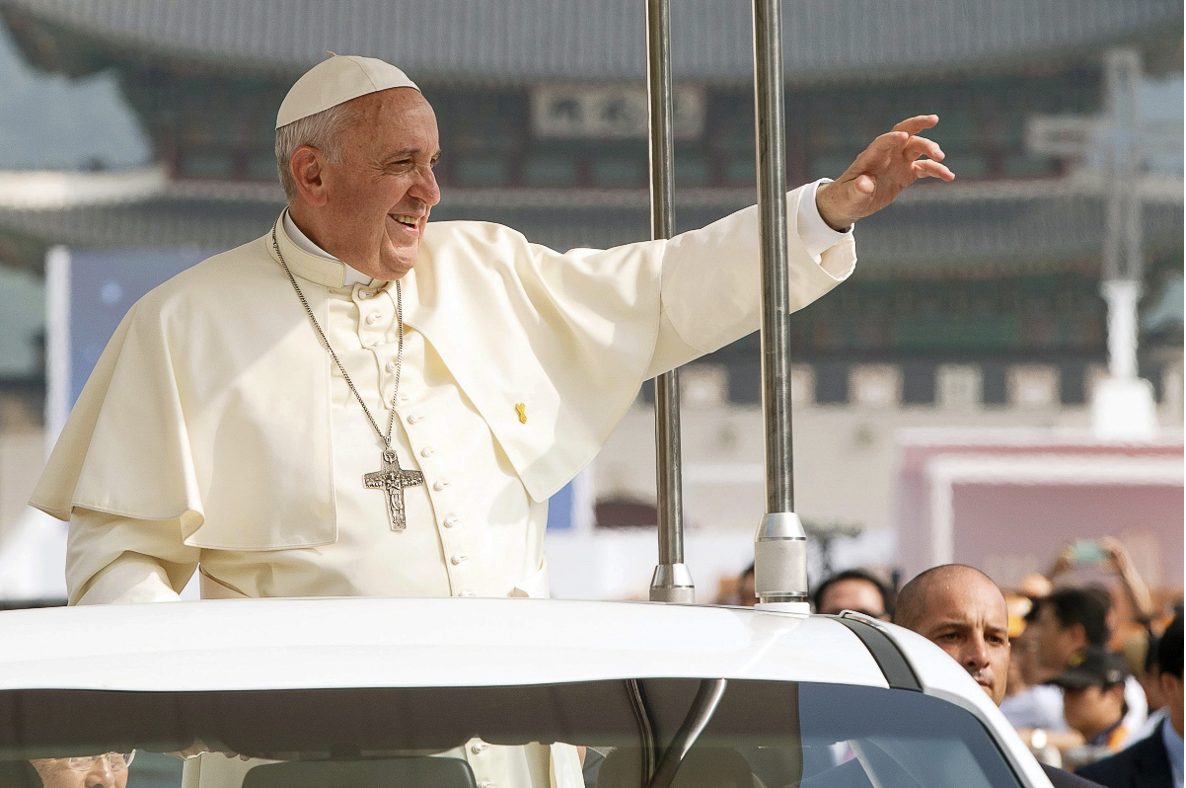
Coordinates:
[878,175]
[1130,578]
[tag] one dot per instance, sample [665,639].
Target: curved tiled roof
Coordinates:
[605,39]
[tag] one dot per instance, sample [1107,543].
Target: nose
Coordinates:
[975,652]
[426,188]
[100,775]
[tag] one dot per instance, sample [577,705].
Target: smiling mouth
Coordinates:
[406,220]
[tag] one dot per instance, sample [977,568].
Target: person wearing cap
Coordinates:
[363,402]
[1093,699]
[962,611]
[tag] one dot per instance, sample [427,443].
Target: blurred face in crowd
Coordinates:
[852,594]
[964,613]
[1090,710]
[1151,684]
[101,771]
[1022,661]
[1055,643]
[370,208]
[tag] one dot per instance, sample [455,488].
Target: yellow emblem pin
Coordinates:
[521,409]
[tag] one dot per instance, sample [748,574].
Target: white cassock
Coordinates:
[215,431]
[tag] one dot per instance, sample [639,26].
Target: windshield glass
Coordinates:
[749,733]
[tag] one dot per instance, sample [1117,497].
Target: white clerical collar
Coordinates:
[352,276]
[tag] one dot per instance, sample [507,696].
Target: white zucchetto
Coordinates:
[335,80]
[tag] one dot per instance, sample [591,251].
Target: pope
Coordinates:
[361,402]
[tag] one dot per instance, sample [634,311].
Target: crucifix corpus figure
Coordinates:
[393,479]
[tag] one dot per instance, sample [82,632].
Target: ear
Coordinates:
[305,166]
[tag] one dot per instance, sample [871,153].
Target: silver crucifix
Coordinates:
[392,479]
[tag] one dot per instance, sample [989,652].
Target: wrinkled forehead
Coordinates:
[976,603]
[393,104]
[398,111]
[396,119]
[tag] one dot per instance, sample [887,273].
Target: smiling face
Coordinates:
[965,615]
[370,208]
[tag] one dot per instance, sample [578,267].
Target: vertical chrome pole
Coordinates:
[780,547]
[672,582]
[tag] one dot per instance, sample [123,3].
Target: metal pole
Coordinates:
[672,582]
[780,548]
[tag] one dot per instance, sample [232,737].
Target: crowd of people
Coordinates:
[1089,673]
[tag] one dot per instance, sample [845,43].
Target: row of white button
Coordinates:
[450,521]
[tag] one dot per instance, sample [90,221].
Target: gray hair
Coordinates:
[322,130]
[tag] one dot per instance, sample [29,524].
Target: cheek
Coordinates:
[1077,706]
[1000,657]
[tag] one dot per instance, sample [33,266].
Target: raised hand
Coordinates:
[878,175]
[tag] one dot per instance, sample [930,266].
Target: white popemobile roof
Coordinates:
[330,643]
[258,644]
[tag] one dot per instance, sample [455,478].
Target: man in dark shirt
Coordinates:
[1155,761]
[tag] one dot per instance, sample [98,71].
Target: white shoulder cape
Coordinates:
[211,402]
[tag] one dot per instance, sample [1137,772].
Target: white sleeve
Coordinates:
[711,279]
[814,232]
[120,559]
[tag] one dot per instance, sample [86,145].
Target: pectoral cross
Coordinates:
[392,479]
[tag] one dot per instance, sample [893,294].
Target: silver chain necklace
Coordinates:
[390,478]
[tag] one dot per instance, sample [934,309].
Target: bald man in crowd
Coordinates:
[962,611]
